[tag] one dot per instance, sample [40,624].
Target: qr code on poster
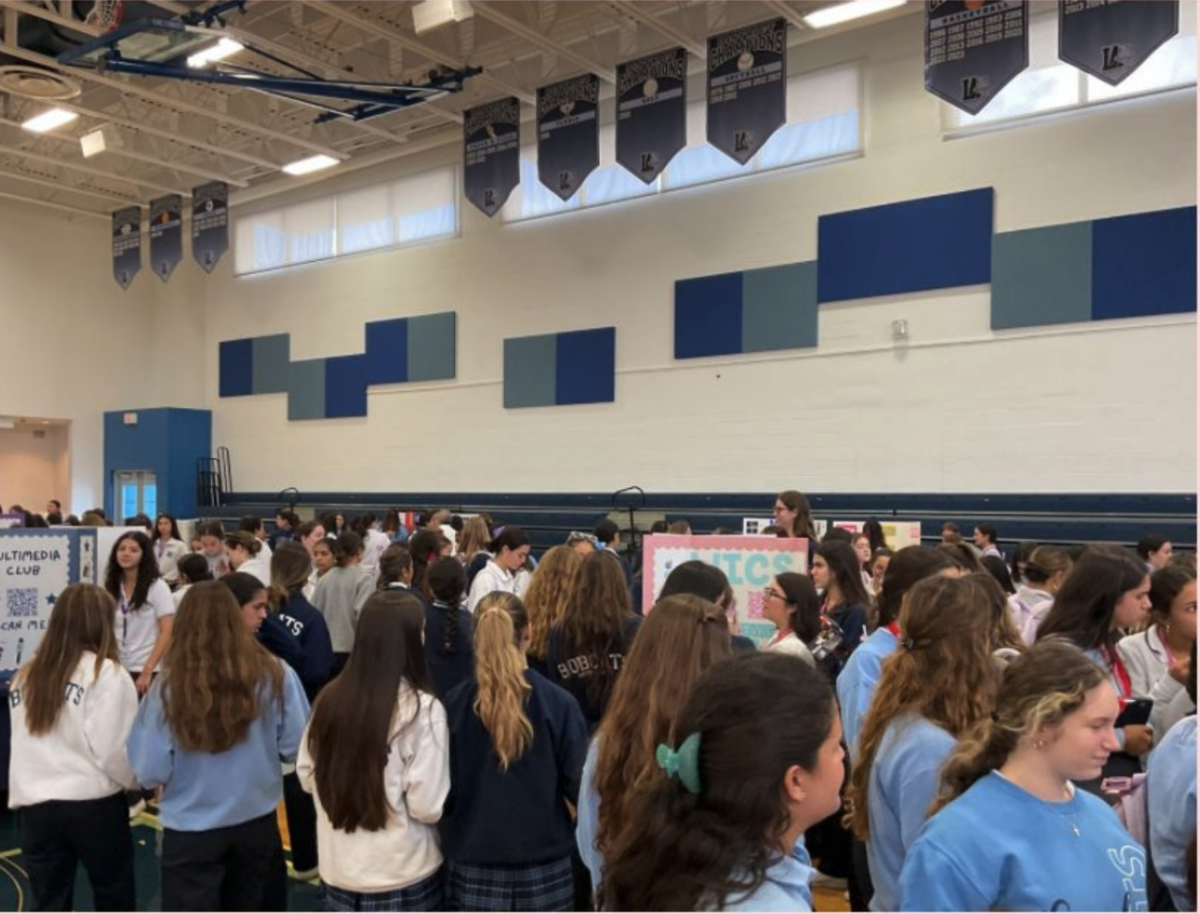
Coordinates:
[22,602]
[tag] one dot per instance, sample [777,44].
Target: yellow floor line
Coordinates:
[12,853]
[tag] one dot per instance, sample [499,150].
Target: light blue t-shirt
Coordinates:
[856,684]
[1171,787]
[203,790]
[904,781]
[999,848]
[588,816]
[786,887]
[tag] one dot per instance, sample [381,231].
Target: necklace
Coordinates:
[1074,825]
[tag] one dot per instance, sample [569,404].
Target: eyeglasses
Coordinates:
[769,592]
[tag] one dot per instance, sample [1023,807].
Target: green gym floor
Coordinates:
[14,883]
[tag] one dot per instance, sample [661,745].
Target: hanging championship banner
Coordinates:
[492,157]
[651,112]
[568,133]
[1111,40]
[747,88]
[973,49]
[126,244]
[210,223]
[166,234]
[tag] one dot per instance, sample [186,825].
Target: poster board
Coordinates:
[897,533]
[35,567]
[748,561]
[8,521]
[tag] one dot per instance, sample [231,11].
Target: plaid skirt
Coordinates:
[535,887]
[425,895]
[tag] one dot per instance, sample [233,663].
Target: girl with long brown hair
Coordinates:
[517,744]
[1009,831]
[213,731]
[588,646]
[936,686]
[755,760]
[792,512]
[378,810]
[546,599]
[144,606]
[72,706]
[681,638]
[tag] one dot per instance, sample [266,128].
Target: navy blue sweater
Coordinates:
[448,669]
[520,816]
[572,672]
[308,627]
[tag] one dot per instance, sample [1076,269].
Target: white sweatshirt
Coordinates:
[416,781]
[83,757]
[491,577]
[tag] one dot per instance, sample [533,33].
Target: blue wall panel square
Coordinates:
[1144,264]
[529,371]
[306,390]
[272,356]
[345,386]
[779,307]
[586,366]
[236,368]
[708,316]
[1042,276]
[932,243]
[387,351]
[431,347]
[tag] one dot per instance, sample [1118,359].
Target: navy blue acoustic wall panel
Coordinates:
[398,351]
[1144,264]
[931,243]
[751,311]
[1124,266]
[560,369]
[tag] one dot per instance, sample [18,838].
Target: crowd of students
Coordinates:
[452,726]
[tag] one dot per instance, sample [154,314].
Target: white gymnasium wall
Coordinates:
[76,345]
[961,409]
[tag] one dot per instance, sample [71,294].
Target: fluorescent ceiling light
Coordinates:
[844,12]
[48,120]
[430,14]
[219,51]
[309,165]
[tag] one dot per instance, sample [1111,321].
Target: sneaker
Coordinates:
[820,880]
[137,809]
[306,875]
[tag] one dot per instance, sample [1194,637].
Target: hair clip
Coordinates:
[683,762]
[908,644]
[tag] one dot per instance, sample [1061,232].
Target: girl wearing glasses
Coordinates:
[791,602]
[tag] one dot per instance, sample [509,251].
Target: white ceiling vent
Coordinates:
[37,83]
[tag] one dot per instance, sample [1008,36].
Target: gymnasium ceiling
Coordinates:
[176,135]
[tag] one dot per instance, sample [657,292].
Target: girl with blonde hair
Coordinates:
[1009,829]
[546,600]
[517,744]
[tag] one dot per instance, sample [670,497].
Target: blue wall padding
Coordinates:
[708,316]
[1144,264]
[167,442]
[397,351]
[586,365]
[306,390]
[931,243]
[272,356]
[237,368]
[387,351]
[1042,276]
[530,371]
[431,344]
[345,386]
[779,307]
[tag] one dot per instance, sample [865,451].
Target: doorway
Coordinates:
[137,493]
[35,462]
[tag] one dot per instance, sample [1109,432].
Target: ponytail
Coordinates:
[1039,689]
[500,673]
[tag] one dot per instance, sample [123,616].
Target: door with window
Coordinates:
[137,493]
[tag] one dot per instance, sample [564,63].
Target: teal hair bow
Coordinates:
[683,762]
